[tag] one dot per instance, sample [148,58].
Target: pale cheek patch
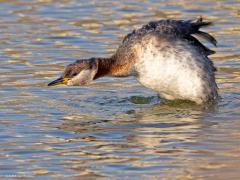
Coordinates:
[70,83]
[83,78]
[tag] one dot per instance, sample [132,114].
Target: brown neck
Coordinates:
[104,66]
[112,67]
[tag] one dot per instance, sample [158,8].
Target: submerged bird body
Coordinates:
[163,55]
[175,70]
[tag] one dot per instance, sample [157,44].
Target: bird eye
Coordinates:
[74,74]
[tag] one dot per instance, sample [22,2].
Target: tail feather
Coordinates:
[199,24]
[207,37]
[194,41]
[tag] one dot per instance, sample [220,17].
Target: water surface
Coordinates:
[113,128]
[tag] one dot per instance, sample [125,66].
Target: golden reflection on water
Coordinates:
[113,127]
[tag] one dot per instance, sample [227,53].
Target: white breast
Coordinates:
[176,70]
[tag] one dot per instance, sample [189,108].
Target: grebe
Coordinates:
[163,55]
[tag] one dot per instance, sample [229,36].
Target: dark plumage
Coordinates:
[176,28]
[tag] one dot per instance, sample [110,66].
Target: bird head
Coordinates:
[78,73]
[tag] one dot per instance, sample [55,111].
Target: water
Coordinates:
[113,128]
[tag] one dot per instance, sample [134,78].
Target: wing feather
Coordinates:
[176,28]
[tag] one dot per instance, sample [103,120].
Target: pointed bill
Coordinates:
[59,81]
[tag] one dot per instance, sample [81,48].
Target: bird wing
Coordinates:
[176,28]
[126,54]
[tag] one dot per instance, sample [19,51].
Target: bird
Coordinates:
[164,55]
